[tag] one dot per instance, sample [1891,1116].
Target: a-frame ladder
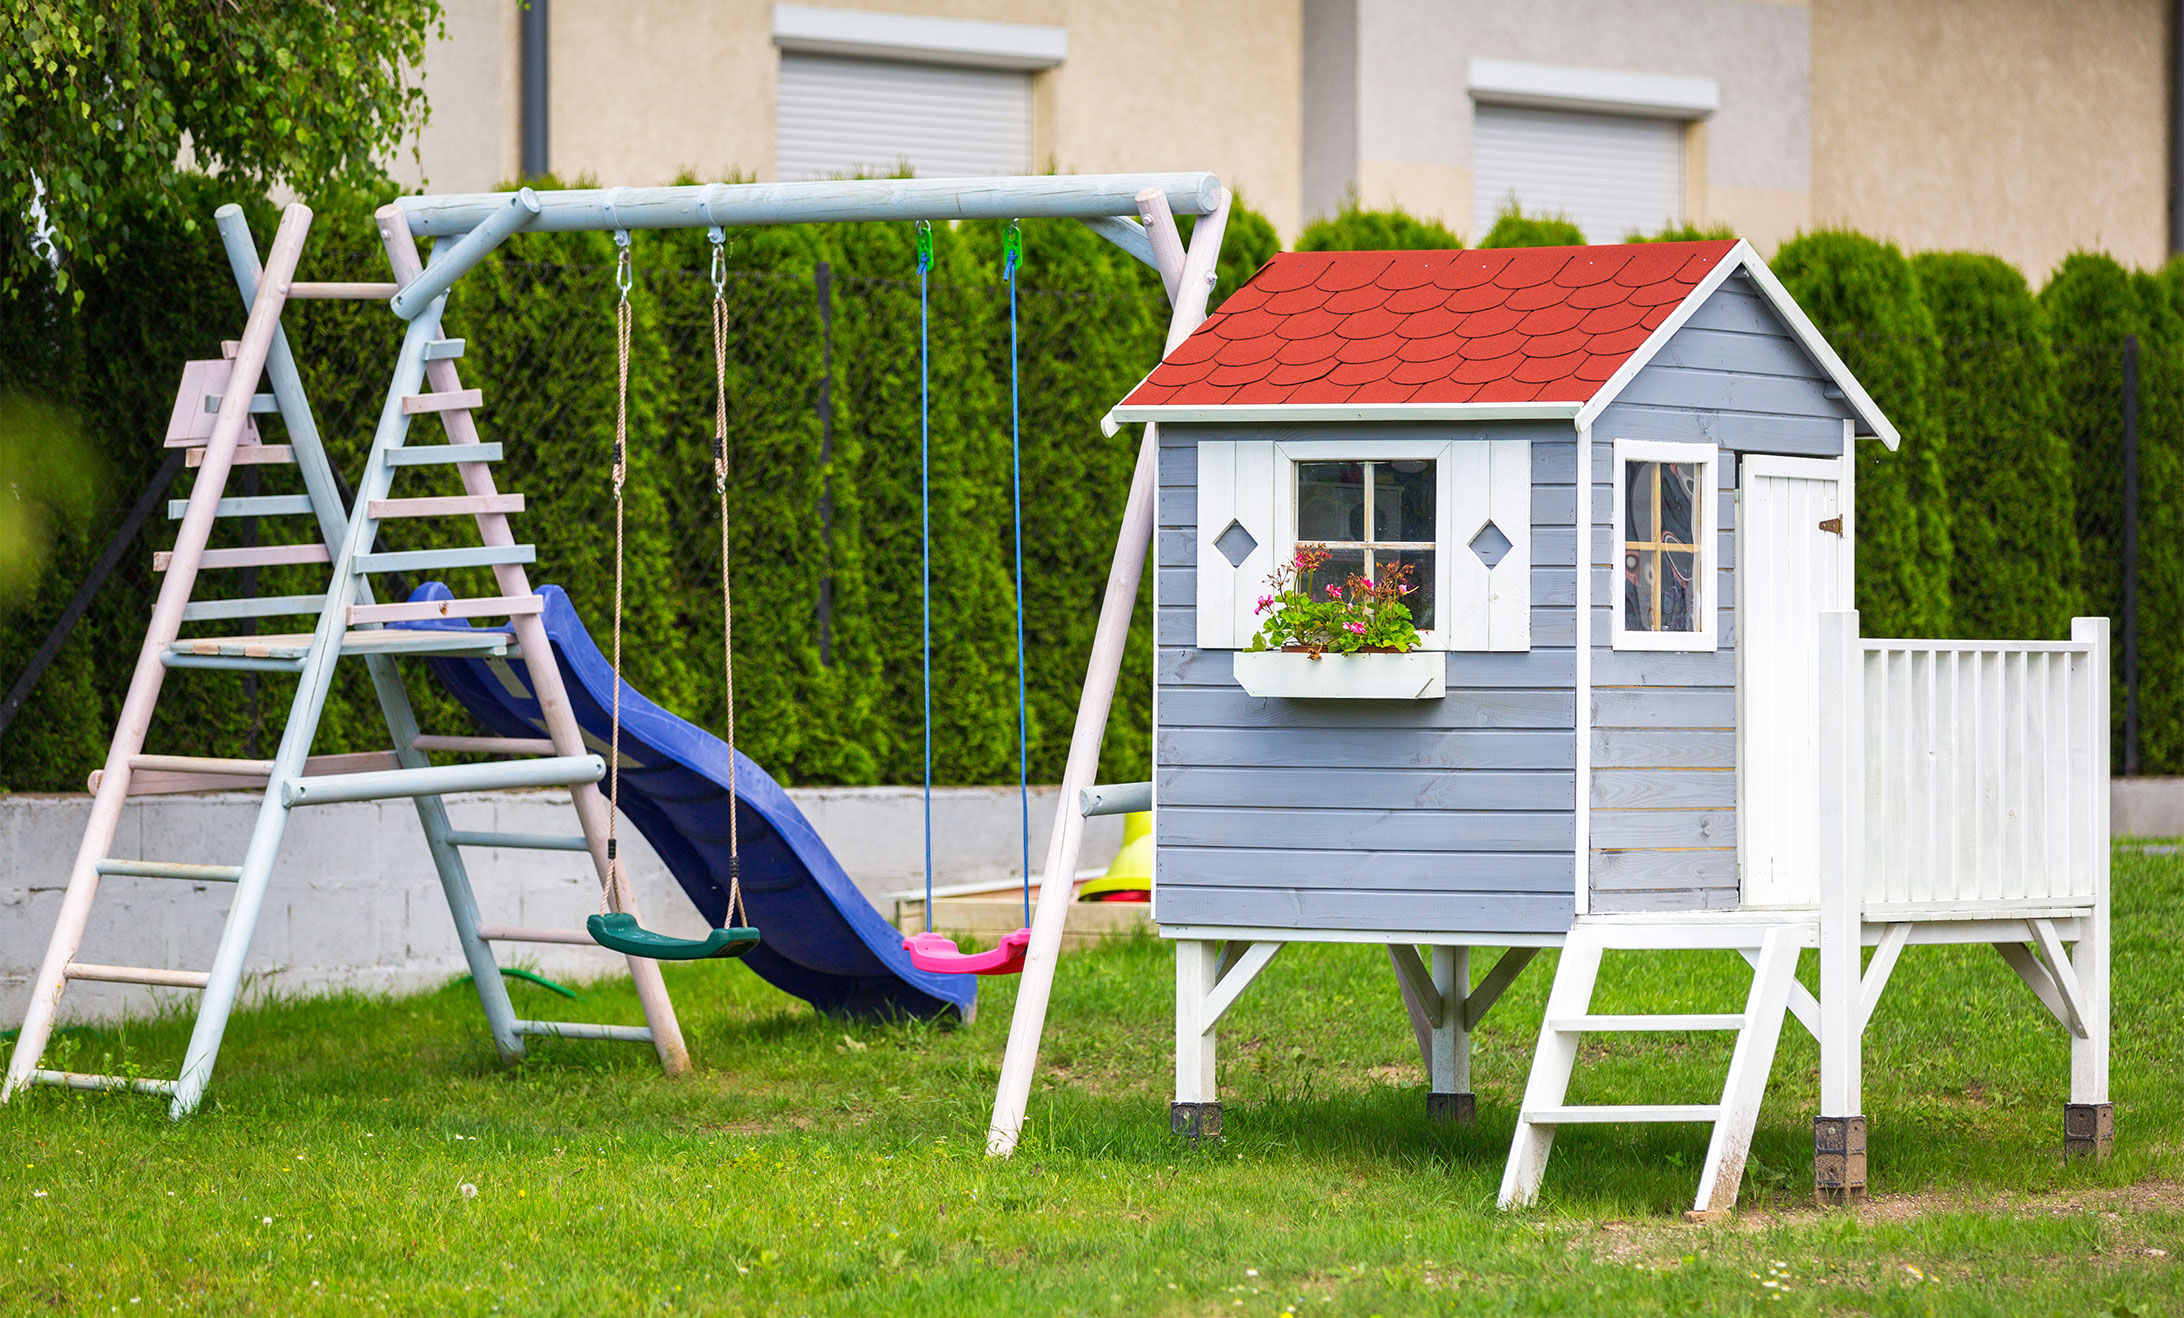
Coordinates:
[1770,944]
[349,623]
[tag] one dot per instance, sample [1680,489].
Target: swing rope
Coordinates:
[735,914]
[614,927]
[925,535]
[1012,254]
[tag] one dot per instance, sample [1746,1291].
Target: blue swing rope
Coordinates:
[925,540]
[1012,254]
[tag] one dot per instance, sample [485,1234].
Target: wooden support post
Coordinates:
[1839,1160]
[1167,243]
[2089,1119]
[1448,1080]
[1196,1112]
[530,630]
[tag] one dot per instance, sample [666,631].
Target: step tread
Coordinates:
[452,400]
[1662,1022]
[1601,1114]
[155,976]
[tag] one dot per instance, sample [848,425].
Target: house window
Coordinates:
[1375,519]
[1665,530]
[1612,175]
[840,116]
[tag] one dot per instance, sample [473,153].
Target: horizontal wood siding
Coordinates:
[1663,789]
[1429,815]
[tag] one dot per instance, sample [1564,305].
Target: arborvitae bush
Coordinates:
[2161,524]
[1513,228]
[2011,505]
[1865,299]
[1684,231]
[1354,229]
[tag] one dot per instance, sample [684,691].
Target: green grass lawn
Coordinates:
[371,1155]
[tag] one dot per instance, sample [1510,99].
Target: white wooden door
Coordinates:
[1793,563]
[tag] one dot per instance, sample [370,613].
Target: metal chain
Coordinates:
[727,606]
[611,899]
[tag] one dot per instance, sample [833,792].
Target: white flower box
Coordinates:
[1412,675]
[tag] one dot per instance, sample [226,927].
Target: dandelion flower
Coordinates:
[467,1190]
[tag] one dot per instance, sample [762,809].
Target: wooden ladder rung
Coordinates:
[518,841]
[102,1083]
[482,745]
[187,979]
[1645,1024]
[170,869]
[425,455]
[445,506]
[259,403]
[442,350]
[454,400]
[165,782]
[1615,1113]
[201,764]
[259,606]
[337,292]
[258,556]
[259,505]
[247,455]
[505,606]
[432,560]
[585,1030]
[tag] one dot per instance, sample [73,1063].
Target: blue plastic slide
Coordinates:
[822,941]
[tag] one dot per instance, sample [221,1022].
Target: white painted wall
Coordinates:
[356,904]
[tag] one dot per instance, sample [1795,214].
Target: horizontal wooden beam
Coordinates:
[254,505]
[248,455]
[454,400]
[506,606]
[454,505]
[256,556]
[337,292]
[482,745]
[158,782]
[430,560]
[426,455]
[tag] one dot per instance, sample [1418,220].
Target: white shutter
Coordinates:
[1487,488]
[841,116]
[1509,509]
[1235,490]
[1610,174]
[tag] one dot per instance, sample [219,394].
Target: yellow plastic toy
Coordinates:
[1132,870]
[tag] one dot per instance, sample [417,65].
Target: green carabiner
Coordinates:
[1012,246]
[925,246]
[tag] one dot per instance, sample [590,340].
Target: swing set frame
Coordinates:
[1136,212]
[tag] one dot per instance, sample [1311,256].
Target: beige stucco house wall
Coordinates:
[2029,128]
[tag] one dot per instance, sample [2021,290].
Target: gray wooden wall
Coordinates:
[1432,815]
[1664,745]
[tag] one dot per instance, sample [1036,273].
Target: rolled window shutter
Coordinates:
[1236,535]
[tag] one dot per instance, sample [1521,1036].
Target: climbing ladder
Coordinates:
[1770,942]
[212,421]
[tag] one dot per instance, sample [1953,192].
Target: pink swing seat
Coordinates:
[937,954]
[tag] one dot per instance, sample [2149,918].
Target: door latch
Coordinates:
[1834,524]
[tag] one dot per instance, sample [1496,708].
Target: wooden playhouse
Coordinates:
[1642,716]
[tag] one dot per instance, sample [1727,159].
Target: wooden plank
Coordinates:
[1664,707]
[1664,789]
[1714,347]
[1639,748]
[426,610]
[445,506]
[1365,788]
[432,560]
[453,400]
[1745,432]
[248,455]
[264,606]
[1663,828]
[156,782]
[339,292]
[1483,707]
[1656,901]
[260,404]
[1713,867]
[1661,668]
[255,556]
[428,454]
[1443,872]
[1367,748]
[443,350]
[1723,390]
[1176,902]
[264,505]
[1367,830]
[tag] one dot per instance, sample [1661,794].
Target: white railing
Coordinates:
[1962,778]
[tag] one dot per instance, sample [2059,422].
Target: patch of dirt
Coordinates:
[1398,1074]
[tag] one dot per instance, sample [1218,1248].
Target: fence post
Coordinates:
[2130,554]
[1839,1132]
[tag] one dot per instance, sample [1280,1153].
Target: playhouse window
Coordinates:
[1665,528]
[1374,518]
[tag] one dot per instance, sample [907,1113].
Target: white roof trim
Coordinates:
[808,29]
[1322,412]
[1742,257]
[1559,87]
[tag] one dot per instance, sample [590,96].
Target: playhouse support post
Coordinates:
[1196,1112]
[1448,1084]
[1839,1132]
[2089,1119]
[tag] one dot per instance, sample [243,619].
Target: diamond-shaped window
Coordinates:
[1491,545]
[1235,544]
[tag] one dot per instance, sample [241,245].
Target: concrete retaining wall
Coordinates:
[356,903]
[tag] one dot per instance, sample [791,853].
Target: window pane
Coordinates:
[1679,503]
[1679,591]
[1331,501]
[1403,501]
[1335,571]
[1420,562]
[1638,500]
[1640,568]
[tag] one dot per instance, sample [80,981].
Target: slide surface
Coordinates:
[821,940]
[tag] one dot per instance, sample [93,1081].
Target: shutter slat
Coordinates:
[1610,174]
[841,116]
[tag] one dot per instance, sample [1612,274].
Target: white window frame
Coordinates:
[1440,452]
[1706,570]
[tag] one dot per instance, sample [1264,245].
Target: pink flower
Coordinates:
[1334,592]
[1264,600]
[1300,558]
[1357,627]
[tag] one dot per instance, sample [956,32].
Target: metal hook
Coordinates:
[719,238]
[622,275]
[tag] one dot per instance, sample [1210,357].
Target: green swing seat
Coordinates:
[622,933]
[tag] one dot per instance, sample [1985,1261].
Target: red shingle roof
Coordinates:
[1544,324]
